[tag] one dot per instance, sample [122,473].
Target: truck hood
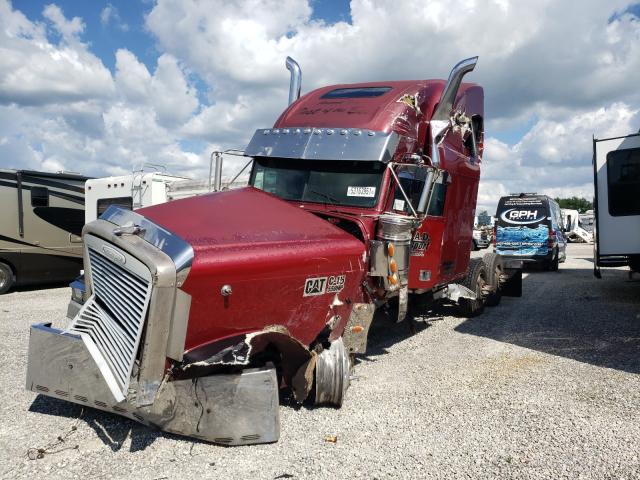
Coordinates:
[239,218]
[284,265]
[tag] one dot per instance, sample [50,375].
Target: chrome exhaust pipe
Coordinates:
[440,119]
[296,79]
[443,110]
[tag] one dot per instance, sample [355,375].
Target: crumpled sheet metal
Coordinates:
[233,409]
[296,357]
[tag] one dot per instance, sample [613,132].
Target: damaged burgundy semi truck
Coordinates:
[201,310]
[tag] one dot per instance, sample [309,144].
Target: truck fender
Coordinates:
[241,351]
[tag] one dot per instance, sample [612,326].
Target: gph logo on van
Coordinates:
[521,217]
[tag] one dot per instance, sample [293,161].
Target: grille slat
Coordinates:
[131,280]
[110,301]
[113,318]
[116,358]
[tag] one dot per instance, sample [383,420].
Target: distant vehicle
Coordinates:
[41,224]
[573,230]
[587,220]
[481,238]
[133,191]
[529,228]
[137,190]
[616,163]
[142,189]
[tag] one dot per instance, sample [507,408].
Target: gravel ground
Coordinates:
[545,386]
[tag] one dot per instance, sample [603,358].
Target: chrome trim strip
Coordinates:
[309,143]
[175,247]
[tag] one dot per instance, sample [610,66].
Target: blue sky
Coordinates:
[167,81]
[106,39]
[125,28]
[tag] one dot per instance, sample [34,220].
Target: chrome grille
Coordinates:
[111,321]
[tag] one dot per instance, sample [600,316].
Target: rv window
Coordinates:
[39,197]
[623,177]
[122,202]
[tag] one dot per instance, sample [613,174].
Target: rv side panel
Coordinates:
[617,178]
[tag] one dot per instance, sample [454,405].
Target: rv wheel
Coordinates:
[6,278]
[477,282]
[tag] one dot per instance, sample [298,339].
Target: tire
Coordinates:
[474,245]
[552,265]
[7,278]
[493,262]
[476,279]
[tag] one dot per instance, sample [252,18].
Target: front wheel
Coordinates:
[7,279]
[477,281]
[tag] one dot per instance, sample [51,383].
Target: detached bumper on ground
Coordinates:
[231,409]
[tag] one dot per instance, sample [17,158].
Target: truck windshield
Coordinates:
[336,182]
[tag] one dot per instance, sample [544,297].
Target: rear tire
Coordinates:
[493,262]
[476,281]
[7,278]
[552,265]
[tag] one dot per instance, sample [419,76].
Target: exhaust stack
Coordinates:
[451,88]
[296,79]
[440,119]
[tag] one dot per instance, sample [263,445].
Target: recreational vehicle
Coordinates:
[41,224]
[573,229]
[616,167]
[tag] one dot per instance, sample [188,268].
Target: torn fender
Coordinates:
[297,362]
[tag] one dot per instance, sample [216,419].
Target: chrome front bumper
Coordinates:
[231,409]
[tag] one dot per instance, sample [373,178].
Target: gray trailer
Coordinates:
[41,224]
[616,163]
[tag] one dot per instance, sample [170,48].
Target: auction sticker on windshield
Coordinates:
[367,192]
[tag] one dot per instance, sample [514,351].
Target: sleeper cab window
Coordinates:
[39,197]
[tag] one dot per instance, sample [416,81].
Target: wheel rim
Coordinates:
[480,286]
[4,278]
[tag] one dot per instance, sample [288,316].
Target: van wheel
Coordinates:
[477,282]
[552,265]
[7,278]
[493,262]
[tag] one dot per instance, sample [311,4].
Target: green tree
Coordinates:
[575,203]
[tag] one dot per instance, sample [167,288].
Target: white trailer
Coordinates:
[616,163]
[573,228]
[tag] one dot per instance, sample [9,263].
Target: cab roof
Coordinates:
[378,106]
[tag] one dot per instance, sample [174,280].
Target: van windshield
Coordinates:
[335,182]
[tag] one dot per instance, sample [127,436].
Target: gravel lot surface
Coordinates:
[545,386]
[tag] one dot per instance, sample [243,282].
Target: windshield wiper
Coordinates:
[324,195]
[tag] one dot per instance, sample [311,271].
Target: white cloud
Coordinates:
[34,71]
[109,15]
[563,63]
[554,157]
